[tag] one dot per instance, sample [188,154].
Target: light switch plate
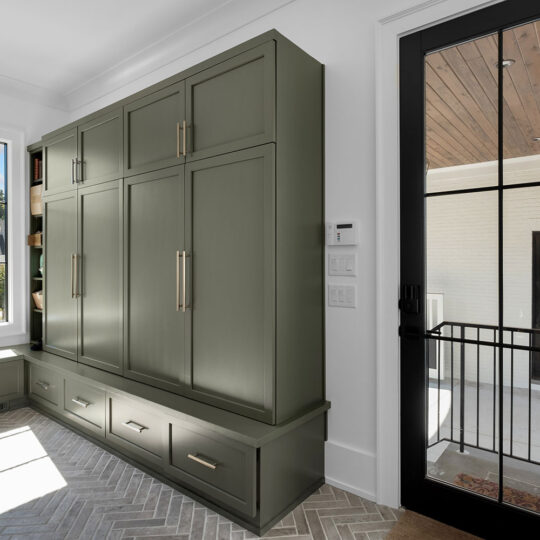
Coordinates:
[341,264]
[342,296]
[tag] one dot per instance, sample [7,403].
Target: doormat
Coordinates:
[491,489]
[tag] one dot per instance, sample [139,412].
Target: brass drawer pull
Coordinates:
[81,402]
[206,462]
[130,424]
[43,385]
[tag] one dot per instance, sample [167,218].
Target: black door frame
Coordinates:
[480,515]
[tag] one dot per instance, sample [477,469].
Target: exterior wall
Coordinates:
[462,256]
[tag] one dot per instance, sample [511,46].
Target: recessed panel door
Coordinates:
[61,286]
[231,242]
[100,149]
[154,244]
[100,301]
[60,154]
[155,131]
[232,105]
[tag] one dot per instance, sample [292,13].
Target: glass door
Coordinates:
[470,266]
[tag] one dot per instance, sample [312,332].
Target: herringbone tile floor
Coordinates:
[94,494]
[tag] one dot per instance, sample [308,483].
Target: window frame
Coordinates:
[14,330]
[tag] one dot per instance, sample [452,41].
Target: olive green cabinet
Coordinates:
[83,275]
[100,276]
[11,380]
[87,154]
[154,280]
[196,252]
[230,232]
[60,283]
[100,149]
[231,105]
[155,130]
[59,161]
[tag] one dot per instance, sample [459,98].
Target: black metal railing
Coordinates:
[474,338]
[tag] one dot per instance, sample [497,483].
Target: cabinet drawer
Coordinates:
[219,468]
[136,427]
[45,386]
[86,404]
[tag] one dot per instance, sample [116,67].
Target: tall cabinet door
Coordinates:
[100,149]
[60,153]
[154,130]
[61,285]
[100,300]
[230,234]
[231,105]
[154,242]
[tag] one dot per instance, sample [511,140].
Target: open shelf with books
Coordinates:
[35,242]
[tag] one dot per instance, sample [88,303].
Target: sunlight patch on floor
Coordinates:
[444,410]
[26,471]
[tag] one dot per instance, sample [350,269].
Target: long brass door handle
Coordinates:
[72,272]
[184,131]
[72,171]
[178,153]
[178,305]
[184,281]
[76,277]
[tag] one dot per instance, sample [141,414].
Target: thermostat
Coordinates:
[343,233]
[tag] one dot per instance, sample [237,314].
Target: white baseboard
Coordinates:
[351,469]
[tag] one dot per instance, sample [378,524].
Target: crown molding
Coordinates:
[28,92]
[168,56]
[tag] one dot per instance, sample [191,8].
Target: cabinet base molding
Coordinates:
[248,471]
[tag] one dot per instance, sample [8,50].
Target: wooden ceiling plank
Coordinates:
[489,50]
[454,111]
[441,135]
[520,77]
[461,92]
[445,117]
[528,44]
[435,154]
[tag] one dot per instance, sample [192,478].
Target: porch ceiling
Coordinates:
[461,99]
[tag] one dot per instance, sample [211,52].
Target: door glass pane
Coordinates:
[462,298]
[521,266]
[462,116]
[462,303]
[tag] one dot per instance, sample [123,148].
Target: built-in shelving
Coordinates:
[35,172]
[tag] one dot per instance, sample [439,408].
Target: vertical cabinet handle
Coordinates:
[181,297]
[76,275]
[178,306]
[181,150]
[78,169]
[72,272]
[183,280]
[184,145]
[72,171]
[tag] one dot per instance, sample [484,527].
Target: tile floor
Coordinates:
[86,492]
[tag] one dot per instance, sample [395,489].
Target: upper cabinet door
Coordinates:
[154,242]
[60,155]
[230,236]
[154,131]
[100,149]
[100,301]
[61,284]
[232,105]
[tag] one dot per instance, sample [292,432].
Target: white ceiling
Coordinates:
[56,47]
